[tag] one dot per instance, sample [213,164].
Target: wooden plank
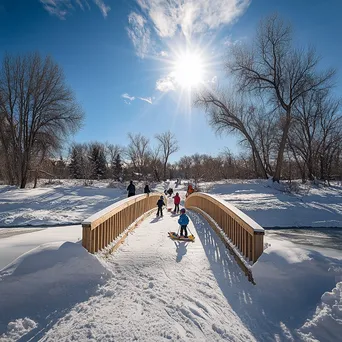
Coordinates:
[92,241]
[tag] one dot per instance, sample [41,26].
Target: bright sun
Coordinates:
[189,70]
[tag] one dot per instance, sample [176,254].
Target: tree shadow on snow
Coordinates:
[285,294]
[44,284]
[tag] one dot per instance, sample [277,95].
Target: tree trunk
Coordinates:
[35,179]
[164,171]
[280,157]
[156,174]
[23,182]
[257,156]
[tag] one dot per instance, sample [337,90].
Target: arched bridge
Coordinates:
[107,229]
[162,289]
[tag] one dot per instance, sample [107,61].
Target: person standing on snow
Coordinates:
[183,221]
[176,201]
[160,205]
[147,189]
[131,189]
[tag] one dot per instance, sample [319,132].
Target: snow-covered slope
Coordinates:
[311,206]
[65,203]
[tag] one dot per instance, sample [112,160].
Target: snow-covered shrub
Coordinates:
[52,182]
[88,182]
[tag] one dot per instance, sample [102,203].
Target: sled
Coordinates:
[175,236]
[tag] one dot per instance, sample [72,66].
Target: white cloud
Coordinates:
[163,54]
[128,97]
[61,8]
[214,79]
[191,16]
[103,7]
[146,99]
[188,17]
[166,83]
[139,33]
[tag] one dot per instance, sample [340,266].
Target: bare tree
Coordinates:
[184,166]
[169,145]
[112,150]
[315,134]
[138,152]
[36,107]
[155,163]
[231,114]
[273,67]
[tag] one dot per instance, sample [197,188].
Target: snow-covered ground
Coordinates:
[70,202]
[310,206]
[67,202]
[152,289]
[155,289]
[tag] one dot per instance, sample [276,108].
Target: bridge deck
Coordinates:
[161,289]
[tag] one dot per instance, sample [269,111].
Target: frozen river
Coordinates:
[317,237]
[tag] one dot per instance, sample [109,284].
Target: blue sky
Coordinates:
[117,55]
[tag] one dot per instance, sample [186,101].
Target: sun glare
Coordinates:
[189,70]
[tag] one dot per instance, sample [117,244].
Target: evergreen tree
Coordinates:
[98,161]
[76,162]
[117,167]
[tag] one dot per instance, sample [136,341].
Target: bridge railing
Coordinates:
[102,228]
[243,232]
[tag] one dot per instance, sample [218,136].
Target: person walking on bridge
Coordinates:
[147,189]
[160,205]
[131,189]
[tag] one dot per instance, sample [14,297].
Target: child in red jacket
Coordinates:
[176,201]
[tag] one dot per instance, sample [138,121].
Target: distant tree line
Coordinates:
[139,160]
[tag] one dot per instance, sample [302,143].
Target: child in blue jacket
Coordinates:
[183,221]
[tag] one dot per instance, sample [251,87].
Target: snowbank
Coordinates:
[269,206]
[326,323]
[290,282]
[43,284]
[14,246]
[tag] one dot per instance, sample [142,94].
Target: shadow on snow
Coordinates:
[284,295]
